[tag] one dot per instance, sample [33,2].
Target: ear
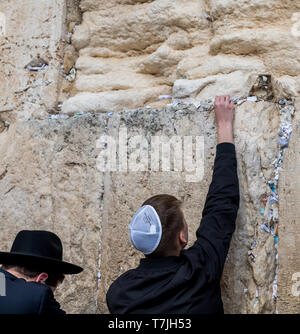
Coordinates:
[41,278]
[183,238]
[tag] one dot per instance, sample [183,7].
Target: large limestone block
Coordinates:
[97,65]
[240,85]
[201,67]
[289,230]
[32,28]
[276,45]
[256,127]
[113,100]
[123,28]
[49,180]
[116,81]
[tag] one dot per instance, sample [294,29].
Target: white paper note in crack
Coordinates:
[2,24]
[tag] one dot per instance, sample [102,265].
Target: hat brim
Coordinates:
[40,261]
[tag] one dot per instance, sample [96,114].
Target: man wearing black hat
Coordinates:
[33,269]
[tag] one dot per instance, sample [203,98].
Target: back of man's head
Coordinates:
[30,272]
[171,216]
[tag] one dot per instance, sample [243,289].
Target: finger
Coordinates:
[219,99]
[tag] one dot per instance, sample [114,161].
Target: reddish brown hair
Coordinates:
[169,211]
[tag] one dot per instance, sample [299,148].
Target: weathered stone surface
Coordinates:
[201,88]
[289,230]
[49,180]
[111,101]
[30,29]
[256,127]
[109,56]
[57,185]
[161,42]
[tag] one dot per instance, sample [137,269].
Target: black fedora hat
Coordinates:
[39,249]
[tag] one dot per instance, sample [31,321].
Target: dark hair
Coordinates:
[169,211]
[54,278]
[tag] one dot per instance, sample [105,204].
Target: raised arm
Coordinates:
[222,201]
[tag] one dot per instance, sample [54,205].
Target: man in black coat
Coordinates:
[170,279]
[31,272]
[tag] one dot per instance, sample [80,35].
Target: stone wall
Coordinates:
[149,69]
[133,52]
[30,30]
[49,181]
[289,231]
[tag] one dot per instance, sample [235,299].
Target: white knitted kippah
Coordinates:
[145,229]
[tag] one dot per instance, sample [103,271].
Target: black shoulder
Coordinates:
[45,299]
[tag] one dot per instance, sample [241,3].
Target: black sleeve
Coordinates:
[49,305]
[219,214]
